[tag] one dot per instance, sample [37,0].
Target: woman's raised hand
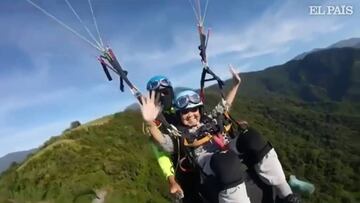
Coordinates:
[236,77]
[150,106]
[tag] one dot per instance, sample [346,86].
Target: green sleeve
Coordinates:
[163,160]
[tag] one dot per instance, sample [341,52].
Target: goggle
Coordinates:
[185,100]
[153,85]
[185,111]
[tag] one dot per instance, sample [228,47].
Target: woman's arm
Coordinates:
[163,161]
[233,91]
[167,168]
[156,133]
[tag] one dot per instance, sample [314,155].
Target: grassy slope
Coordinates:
[114,156]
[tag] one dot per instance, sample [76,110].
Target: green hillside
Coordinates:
[113,157]
[309,109]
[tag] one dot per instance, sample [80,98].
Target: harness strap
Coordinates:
[105,70]
[203,43]
[219,140]
[204,38]
[227,127]
[198,142]
[206,70]
[121,84]
[241,123]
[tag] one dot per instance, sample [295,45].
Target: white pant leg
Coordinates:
[235,194]
[271,172]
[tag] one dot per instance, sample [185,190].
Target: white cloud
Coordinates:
[269,33]
[272,31]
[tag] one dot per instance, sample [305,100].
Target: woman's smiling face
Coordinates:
[190,117]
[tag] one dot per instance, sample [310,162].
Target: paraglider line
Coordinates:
[95,23]
[205,11]
[196,14]
[81,21]
[64,25]
[199,11]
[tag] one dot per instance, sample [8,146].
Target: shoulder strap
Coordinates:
[198,142]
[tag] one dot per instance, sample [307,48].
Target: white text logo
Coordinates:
[341,10]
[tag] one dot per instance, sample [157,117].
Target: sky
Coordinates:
[49,77]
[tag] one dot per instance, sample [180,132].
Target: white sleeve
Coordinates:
[168,145]
[220,108]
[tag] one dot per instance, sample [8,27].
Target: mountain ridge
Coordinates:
[317,77]
[17,157]
[351,42]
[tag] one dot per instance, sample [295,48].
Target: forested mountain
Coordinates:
[326,75]
[308,108]
[17,157]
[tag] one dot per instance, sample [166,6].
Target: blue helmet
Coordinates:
[158,81]
[187,99]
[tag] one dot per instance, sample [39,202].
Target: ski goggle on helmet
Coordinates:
[158,81]
[187,99]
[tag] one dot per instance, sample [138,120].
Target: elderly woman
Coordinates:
[208,152]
